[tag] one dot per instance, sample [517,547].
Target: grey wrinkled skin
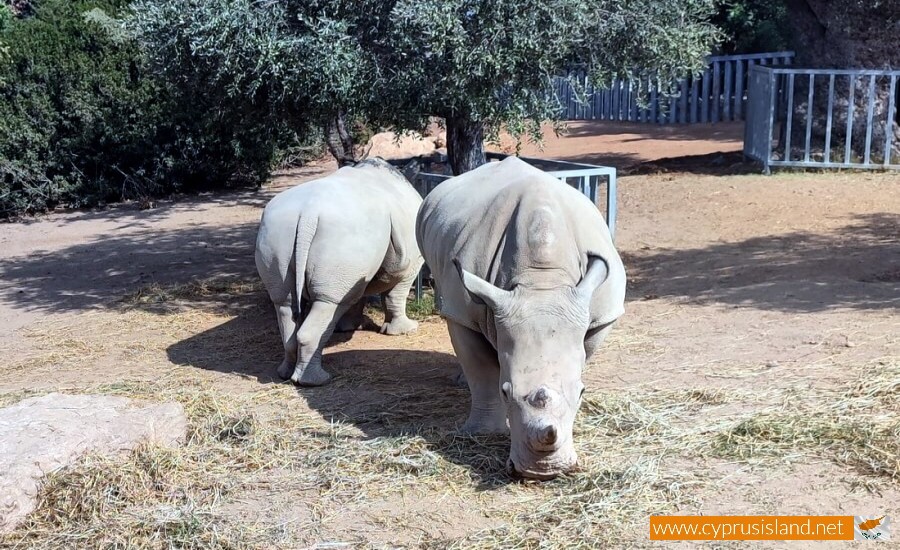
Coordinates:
[325,245]
[531,285]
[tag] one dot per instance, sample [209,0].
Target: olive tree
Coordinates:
[487,65]
[480,65]
[295,58]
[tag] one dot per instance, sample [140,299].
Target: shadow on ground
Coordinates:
[124,248]
[383,392]
[725,163]
[91,274]
[856,266]
[625,145]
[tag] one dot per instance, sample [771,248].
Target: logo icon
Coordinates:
[871,528]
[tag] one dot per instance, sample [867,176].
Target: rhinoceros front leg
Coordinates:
[594,338]
[353,319]
[314,333]
[395,319]
[482,371]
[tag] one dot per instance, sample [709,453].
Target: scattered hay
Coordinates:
[160,498]
[155,497]
[859,427]
[395,440]
[194,291]
[584,510]
[163,498]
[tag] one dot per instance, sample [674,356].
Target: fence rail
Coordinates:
[813,118]
[717,94]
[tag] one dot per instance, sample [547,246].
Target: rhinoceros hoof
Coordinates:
[285,370]
[311,376]
[403,325]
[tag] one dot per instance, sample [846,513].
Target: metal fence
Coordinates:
[819,118]
[717,94]
[587,178]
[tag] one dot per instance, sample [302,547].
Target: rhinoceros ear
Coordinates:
[596,275]
[481,291]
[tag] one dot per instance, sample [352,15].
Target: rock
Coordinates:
[387,146]
[42,434]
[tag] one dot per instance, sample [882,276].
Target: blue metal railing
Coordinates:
[719,93]
[812,118]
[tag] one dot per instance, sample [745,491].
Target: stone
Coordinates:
[387,145]
[43,434]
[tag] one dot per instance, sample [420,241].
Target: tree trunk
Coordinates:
[340,142]
[465,144]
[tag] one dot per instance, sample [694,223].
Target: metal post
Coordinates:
[851,98]
[790,118]
[869,115]
[889,122]
[771,123]
[809,115]
[829,118]
[611,204]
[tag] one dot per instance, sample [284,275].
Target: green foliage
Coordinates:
[494,60]
[297,58]
[754,26]
[83,122]
[398,62]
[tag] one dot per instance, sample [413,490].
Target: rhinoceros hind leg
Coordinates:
[312,337]
[482,371]
[288,329]
[460,379]
[353,319]
[395,320]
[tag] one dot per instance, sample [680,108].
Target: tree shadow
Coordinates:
[725,163]
[94,273]
[729,131]
[402,392]
[856,267]
[625,145]
[383,392]
[125,248]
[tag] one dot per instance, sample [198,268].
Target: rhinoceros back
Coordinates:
[477,218]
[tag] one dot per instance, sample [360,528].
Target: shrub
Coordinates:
[84,122]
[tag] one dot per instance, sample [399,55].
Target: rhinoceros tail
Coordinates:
[306,230]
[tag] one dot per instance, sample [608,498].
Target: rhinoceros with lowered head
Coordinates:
[531,285]
[325,245]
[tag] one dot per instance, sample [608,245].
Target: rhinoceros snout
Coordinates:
[543,469]
[547,436]
[542,440]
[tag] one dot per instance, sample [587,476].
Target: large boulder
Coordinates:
[388,145]
[42,434]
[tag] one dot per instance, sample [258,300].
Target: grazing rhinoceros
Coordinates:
[324,245]
[531,285]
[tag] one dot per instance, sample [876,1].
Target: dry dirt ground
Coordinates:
[756,371]
[619,144]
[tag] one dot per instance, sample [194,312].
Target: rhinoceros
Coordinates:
[531,286]
[325,245]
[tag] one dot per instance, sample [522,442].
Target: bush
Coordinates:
[84,122]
